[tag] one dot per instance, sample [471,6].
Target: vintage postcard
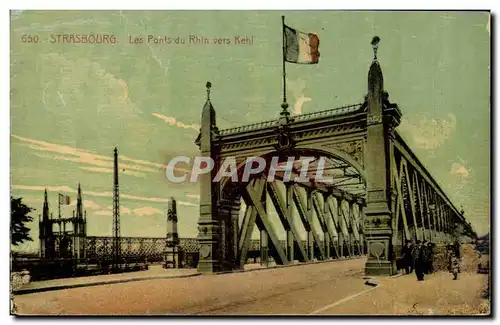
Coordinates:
[250,162]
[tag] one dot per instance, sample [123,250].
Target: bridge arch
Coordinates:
[338,154]
[309,150]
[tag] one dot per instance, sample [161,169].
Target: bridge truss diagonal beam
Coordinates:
[305,212]
[254,198]
[284,213]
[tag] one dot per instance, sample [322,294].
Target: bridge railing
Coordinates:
[328,113]
[298,118]
[249,127]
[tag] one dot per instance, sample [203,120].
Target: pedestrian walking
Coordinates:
[431,257]
[456,249]
[419,260]
[455,266]
[407,257]
[425,252]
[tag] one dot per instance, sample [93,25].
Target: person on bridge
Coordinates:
[430,258]
[454,258]
[419,260]
[407,257]
[456,248]
[455,265]
[427,256]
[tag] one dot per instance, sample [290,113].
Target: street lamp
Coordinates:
[375,42]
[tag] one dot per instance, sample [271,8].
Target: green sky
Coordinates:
[72,103]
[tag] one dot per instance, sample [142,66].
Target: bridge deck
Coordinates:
[327,288]
[306,287]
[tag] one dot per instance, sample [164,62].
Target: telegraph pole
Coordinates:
[116,215]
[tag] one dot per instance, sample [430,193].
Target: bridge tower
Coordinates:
[79,227]
[46,231]
[382,119]
[208,224]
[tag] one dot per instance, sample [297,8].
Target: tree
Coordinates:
[18,219]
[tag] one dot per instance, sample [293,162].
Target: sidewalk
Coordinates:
[438,294]
[154,272]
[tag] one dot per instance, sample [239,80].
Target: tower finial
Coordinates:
[374,43]
[208,85]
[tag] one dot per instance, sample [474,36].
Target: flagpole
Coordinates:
[284,105]
[59,204]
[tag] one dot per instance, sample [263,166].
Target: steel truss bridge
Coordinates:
[380,196]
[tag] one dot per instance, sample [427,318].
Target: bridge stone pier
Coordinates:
[379,193]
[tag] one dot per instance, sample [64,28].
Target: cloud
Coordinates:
[429,133]
[108,211]
[125,88]
[460,180]
[42,188]
[147,211]
[110,171]
[142,162]
[297,86]
[67,189]
[30,198]
[104,213]
[297,107]
[459,170]
[92,205]
[90,160]
[173,121]
[62,149]
[150,163]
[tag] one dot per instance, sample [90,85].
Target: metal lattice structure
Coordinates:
[150,248]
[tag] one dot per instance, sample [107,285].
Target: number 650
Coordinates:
[30,39]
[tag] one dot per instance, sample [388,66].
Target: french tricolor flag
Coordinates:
[301,47]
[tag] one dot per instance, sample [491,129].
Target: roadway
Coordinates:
[290,290]
[330,288]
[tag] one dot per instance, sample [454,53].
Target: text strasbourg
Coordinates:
[83,38]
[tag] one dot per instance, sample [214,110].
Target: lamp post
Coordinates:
[375,42]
